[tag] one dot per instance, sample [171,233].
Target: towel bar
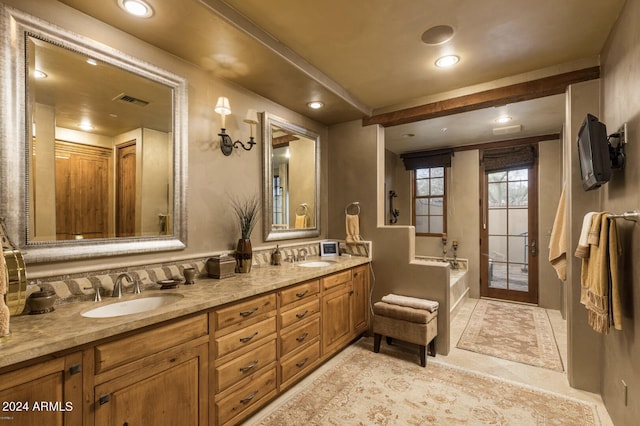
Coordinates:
[630,215]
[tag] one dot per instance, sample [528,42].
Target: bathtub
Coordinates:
[458,281]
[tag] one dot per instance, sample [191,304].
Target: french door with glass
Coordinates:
[509,235]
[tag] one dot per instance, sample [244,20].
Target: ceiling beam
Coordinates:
[511,142]
[241,22]
[519,92]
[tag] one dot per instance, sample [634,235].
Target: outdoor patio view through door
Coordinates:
[509,234]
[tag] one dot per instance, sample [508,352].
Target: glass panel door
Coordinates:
[509,235]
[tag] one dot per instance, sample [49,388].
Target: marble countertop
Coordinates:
[34,336]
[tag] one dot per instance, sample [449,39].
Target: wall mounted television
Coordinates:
[593,153]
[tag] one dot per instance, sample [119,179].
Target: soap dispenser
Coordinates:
[276,257]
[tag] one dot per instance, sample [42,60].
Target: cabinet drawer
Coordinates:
[299,313]
[246,397]
[299,336]
[299,292]
[245,365]
[242,311]
[336,279]
[297,363]
[244,337]
[140,345]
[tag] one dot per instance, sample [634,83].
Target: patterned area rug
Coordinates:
[390,388]
[512,331]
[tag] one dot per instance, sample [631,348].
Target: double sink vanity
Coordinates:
[209,353]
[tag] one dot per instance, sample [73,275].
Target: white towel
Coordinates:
[411,302]
[582,251]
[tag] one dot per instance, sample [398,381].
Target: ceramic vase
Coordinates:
[244,256]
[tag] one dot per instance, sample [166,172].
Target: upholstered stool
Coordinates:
[418,326]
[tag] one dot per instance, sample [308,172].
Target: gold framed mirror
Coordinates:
[94,160]
[291,180]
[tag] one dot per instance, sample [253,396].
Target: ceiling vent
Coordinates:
[123,97]
[507,130]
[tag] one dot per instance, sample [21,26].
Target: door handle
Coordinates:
[534,248]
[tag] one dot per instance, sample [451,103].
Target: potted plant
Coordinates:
[247,211]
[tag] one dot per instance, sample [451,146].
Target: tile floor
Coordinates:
[541,378]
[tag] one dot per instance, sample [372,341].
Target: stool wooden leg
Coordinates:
[376,342]
[432,347]
[423,355]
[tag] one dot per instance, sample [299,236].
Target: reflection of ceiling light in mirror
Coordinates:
[136,8]
[315,105]
[92,61]
[447,61]
[503,119]
[39,74]
[86,125]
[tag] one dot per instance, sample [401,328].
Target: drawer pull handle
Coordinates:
[249,398]
[245,314]
[75,369]
[302,314]
[302,293]
[249,367]
[104,399]
[301,363]
[246,339]
[302,337]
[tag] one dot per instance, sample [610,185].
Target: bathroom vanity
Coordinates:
[213,356]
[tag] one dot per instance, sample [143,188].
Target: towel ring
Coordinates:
[304,207]
[355,204]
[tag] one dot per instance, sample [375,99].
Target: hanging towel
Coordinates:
[302,221]
[600,280]
[582,250]
[558,240]
[353,228]
[411,302]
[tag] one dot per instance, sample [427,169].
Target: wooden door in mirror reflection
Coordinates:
[126,191]
[82,191]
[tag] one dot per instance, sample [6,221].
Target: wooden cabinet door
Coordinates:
[175,394]
[49,393]
[336,323]
[360,300]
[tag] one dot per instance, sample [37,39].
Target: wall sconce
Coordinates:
[226,143]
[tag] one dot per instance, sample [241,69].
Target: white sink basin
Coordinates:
[133,306]
[317,263]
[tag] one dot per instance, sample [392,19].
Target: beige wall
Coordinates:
[621,104]
[357,174]
[212,177]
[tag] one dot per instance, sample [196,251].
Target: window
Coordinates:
[429,201]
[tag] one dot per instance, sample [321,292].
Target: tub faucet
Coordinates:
[117,288]
[302,254]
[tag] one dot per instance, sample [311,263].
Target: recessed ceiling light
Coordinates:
[85,125]
[447,61]
[137,8]
[39,74]
[315,105]
[503,119]
[444,129]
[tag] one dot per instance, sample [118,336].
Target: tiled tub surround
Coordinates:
[34,336]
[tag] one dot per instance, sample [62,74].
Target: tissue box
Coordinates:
[222,266]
